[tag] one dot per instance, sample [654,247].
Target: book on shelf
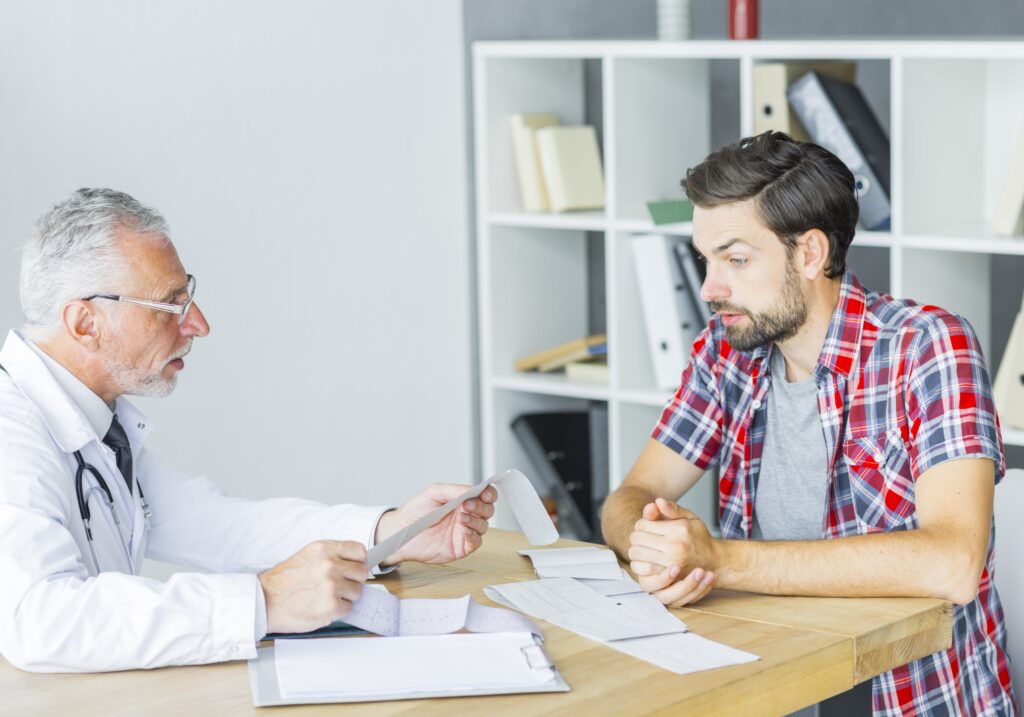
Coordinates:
[771,80]
[671,319]
[571,163]
[569,453]
[524,144]
[1008,388]
[1008,217]
[837,116]
[595,372]
[557,357]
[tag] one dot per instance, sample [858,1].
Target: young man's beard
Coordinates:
[776,324]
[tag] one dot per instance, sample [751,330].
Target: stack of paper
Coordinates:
[594,563]
[633,622]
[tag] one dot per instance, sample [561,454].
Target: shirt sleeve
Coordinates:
[691,423]
[950,408]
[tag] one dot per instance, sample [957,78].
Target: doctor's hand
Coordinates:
[455,536]
[673,554]
[314,587]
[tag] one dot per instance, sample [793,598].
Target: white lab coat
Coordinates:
[59,612]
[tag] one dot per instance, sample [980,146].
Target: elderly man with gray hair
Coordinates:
[110,312]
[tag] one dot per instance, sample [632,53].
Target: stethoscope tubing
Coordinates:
[84,510]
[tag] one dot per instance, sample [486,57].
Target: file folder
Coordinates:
[837,116]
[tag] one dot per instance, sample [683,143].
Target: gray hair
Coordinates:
[74,253]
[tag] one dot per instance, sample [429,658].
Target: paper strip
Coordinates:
[513,485]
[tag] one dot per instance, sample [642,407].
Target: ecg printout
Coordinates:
[511,484]
[381,612]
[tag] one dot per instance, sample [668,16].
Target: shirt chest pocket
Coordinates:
[881,484]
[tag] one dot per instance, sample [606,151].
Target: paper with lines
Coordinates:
[573,606]
[511,484]
[381,612]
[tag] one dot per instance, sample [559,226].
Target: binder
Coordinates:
[837,117]
[671,319]
[1008,218]
[772,79]
[693,273]
[1009,384]
[532,188]
[569,453]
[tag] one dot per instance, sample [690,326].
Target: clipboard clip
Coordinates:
[535,656]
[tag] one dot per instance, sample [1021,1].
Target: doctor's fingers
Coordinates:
[473,523]
[339,549]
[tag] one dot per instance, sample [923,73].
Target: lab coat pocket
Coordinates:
[880,481]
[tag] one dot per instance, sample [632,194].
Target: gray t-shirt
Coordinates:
[789,503]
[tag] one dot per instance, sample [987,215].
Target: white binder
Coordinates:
[670,317]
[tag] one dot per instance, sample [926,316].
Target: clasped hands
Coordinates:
[672,554]
[320,583]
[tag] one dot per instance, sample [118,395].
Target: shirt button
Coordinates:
[756,404]
[141,426]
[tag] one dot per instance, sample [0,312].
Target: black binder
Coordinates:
[837,116]
[569,452]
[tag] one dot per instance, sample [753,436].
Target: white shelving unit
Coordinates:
[955,107]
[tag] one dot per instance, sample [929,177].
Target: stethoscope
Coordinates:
[83,506]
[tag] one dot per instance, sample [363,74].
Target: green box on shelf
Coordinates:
[670,211]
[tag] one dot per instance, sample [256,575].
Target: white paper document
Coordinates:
[571,605]
[575,607]
[624,585]
[355,668]
[682,653]
[591,563]
[385,614]
[511,484]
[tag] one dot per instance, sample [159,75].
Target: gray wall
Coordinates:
[310,157]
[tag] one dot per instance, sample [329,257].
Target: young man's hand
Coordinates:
[673,554]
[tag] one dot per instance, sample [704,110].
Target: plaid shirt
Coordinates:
[901,388]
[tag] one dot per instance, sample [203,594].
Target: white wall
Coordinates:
[310,158]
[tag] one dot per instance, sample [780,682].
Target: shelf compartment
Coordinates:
[556,85]
[963,117]
[538,284]
[662,127]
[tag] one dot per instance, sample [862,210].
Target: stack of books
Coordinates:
[559,167]
[590,348]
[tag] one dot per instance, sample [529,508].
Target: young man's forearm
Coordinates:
[623,508]
[911,563]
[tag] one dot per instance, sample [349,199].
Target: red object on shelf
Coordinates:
[743,23]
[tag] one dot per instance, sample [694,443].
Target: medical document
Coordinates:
[575,607]
[592,563]
[385,614]
[511,484]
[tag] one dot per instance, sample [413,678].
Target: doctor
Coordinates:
[111,312]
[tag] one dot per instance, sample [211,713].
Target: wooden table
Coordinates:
[810,649]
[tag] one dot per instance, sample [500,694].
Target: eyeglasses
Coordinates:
[180,309]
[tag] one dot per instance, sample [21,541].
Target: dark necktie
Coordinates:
[117,439]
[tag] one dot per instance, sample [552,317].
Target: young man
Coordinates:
[856,433]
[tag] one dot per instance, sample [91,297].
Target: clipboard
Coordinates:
[266,692]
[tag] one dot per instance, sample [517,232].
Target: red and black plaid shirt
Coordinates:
[901,388]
